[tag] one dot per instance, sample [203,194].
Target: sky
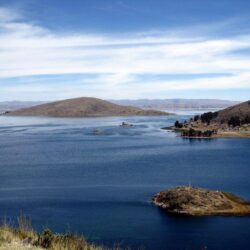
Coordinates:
[124,49]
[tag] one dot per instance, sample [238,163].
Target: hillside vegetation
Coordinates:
[230,122]
[25,238]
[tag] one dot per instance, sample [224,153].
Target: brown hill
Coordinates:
[84,107]
[241,110]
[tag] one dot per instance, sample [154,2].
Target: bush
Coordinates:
[178,124]
[234,121]
[207,133]
[190,133]
[197,133]
[196,118]
[45,239]
[207,117]
[246,120]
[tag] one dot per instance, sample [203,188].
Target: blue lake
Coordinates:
[62,175]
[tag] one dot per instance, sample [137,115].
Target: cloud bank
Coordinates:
[116,62]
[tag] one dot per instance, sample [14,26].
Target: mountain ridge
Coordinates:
[177,103]
[167,104]
[83,107]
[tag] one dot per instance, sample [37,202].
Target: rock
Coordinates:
[27,240]
[97,132]
[168,128]
[199,201]
[126,125]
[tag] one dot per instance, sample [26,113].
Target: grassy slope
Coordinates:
[242,110]
[24,239]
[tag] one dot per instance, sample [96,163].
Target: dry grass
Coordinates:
[15,239]
[11,239]
[24,238]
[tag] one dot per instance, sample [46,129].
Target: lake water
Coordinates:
[68,179]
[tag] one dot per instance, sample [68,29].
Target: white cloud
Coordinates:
[27,49]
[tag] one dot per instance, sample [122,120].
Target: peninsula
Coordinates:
[199,201]
[230,122]
[84,107]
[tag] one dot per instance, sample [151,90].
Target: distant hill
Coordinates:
[84,107]
[241,110]
[173,104]
[230,122]
[167,104]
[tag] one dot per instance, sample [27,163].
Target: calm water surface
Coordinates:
[64,177]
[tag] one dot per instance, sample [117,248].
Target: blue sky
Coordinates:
[115,49]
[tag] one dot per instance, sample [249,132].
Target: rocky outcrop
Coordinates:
[126,125]
[199,201]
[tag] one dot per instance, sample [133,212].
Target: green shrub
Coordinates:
[178,124]
[197,133]
[45,239]
[196,118]
[234,121]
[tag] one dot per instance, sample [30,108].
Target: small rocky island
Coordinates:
[198,201]
[126,125]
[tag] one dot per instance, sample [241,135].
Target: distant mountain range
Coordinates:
[83,107]
[172,104]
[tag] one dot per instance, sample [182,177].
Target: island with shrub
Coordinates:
[193,201]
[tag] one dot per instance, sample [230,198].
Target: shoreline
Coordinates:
[228,134]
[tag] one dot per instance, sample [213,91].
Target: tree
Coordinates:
[192,132]
[178,124]
[207,117]
[207,133]
[246,120]
[196,118]
[234,121]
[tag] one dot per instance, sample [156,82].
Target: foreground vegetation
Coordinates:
[11,239]
[24,238]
